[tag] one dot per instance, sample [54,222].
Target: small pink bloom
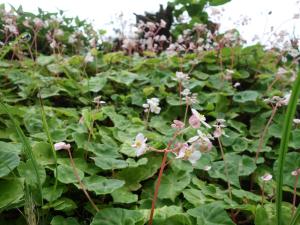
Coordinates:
[218,132]
[61,146]
[194,121]
[267,177]
[177,124]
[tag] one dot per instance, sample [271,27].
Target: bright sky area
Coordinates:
[101,13]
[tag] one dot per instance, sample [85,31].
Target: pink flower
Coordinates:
[177,124]
[61,146]
[267,177]
[194,121]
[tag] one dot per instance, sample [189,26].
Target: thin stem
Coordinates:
[271,85]
[162,167]
[295,194]
[80,183]
[262,137]
[179,89]
[263,193]
[186,109]
[147,118]
[225,168]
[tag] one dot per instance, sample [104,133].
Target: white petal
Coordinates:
[193,139]
[140,137]
[195,156]
[140,151]
[180,154]
[206,124]
[195,112]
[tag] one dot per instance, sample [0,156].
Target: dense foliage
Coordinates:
[51,94]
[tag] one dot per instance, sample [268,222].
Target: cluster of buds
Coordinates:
[10,23]
[152,105]
[147,38]
[277,101]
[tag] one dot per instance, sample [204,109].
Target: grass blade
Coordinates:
[46,130]
[285,137]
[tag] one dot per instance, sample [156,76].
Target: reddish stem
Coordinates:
[162,167]
[80,183]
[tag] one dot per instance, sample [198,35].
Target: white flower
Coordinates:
[237,84]
[180,76]
[194,157]
[97,100]
[152,105]
[72,39]
[207,168]
[58,32]
[295,172]
[195,138]
[286,98]
[38,22]
[12,28]
[89,57]
[140,144]
[296,121]
[186,92]
[61,146]
[53,44]
[266,177]
[200,117]
[189,153]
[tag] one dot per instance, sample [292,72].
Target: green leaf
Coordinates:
[59,220]
[101,185]
[43,153]
[66,174]
[118,216]
[265,215]
[194,196]
[210,214]
[106,163]
[8,161]
[10,147]
[26,170]
[245,96]
[62,204]
[123,77]
[218,2]
[122,195]
[291,163]
[237,166]
[11,191]
[133,176]
[172,184]
[94,84]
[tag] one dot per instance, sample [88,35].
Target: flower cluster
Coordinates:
[279,101]
[152,105]
[194,147]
